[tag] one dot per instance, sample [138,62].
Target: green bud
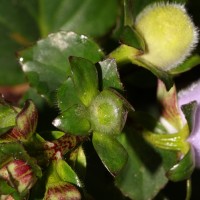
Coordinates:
[107,113]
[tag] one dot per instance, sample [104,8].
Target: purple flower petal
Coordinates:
[189,94]
[194,137]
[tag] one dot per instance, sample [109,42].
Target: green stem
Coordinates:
[128,13]
[188,189]
[176,141]
[126,54]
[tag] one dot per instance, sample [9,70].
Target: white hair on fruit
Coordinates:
[169,33]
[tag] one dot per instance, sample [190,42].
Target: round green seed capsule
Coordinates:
[169,33]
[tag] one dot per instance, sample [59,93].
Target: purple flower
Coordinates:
[185,96]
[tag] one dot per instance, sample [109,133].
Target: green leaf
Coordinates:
[110,75]
[26,122]
[189,110]
[111,152]
[14,20]
[66,95]
[17,20]
[128,12]
[66,173]
[88,17]
[187,65]
[7,117]
[57,183]
[56,134]
[73,121]
[144,174]
[5,189]
[182,170]
[31,7]
[132,38]
[78,161]
[44,17]
[46,64]
[38,100]
[85,79]
[11,73]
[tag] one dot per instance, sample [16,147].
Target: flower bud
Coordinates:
[63,191]
[169,34]
[19,174]
[107,113]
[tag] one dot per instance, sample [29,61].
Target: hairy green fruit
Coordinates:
[169,33]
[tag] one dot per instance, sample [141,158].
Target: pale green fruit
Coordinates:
[169,33]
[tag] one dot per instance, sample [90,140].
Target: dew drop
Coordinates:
[21,60]
[57,122]
[83,38]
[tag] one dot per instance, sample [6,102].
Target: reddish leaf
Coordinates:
[62,190]
[26,122]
